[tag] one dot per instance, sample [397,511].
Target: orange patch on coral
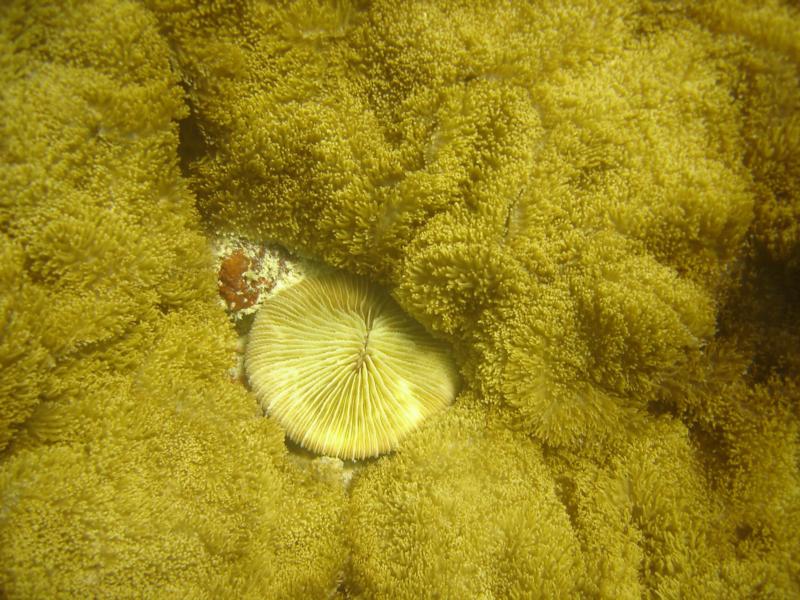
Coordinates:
[233,287]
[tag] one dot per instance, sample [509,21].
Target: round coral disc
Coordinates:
[343,369]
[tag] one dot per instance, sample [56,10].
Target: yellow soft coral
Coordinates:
[595,202]
[464,526]
[134,465]
[569,204]
[21,349]
[140,483]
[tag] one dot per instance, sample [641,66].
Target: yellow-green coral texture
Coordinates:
[597,204]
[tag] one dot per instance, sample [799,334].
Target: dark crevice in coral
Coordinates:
[764,314]
[752,540]
[657,408]
[300,451]
[243,324]
[714,452]
[297,449]
[191,144]
[744,532]
[566,491]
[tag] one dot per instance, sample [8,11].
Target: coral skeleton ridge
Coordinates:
[343,369]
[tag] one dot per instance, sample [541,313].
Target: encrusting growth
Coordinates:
[344,369]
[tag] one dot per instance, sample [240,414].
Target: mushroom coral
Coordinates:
[595,202]
[343,369]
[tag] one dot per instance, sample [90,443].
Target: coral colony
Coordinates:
[399,299]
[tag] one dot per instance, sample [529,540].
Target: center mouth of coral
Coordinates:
[363,354]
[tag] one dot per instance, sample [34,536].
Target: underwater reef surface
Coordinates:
[596,203]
